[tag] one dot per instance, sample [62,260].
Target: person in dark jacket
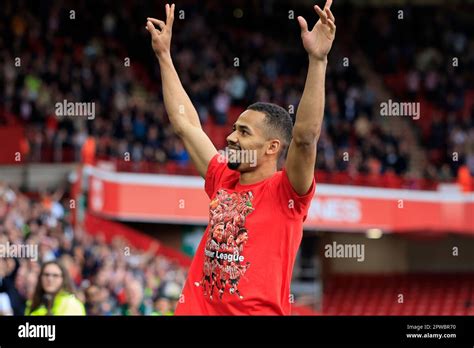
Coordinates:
[8,271]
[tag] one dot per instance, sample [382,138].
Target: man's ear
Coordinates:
[273,147]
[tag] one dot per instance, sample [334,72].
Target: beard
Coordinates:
[233,165]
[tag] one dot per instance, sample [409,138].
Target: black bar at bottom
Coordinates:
[414,331]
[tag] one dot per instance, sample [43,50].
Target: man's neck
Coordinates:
[255,176]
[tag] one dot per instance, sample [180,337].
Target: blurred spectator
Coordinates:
[162,306]
[11,302]
[134,299]
[106,281]
[54,294]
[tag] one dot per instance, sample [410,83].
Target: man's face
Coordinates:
[218,232]
[249,136]
[242,238]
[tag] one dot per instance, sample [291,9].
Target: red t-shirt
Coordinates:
[246,256]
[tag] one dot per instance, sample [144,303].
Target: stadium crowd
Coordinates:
[108,279]
[226,63]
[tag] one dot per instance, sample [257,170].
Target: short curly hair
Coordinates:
[278,120]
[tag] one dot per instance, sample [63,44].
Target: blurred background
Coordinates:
[116,199]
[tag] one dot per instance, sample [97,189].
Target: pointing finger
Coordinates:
[321,14]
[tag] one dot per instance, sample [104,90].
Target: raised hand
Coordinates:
[161,39]
[318,41]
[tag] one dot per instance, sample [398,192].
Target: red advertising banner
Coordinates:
[182,200]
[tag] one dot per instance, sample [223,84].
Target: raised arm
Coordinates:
[301,157]
[181,112]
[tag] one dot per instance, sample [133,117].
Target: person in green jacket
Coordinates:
[54,293]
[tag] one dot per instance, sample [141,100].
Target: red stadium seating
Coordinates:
[423,294]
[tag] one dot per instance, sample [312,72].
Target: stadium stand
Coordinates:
[130,117]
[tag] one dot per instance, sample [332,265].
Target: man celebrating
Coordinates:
[270,205]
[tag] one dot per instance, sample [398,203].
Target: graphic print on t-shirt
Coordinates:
[224,259]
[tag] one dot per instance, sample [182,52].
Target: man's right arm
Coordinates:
[181,112]
[184,118]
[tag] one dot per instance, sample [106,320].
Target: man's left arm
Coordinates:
[301,157]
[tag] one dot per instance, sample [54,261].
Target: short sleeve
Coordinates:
[297,206]
[214,174]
